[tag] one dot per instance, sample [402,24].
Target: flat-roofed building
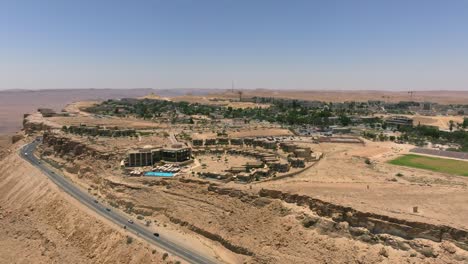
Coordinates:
[237,141]
[254,164]
[297,162]
[197,142]
[176,154]
[222,140]
[288,147]
[149,156]
[46,112]
[270,159]
[302,152]
[278,166]
[248,141]
[269,144]
[210,141]
[237,169]
[399,121]
[140,158]
[262,172]
[257,143]
[245,176]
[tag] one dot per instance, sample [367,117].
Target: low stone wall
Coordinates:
[351,140]
[291,174]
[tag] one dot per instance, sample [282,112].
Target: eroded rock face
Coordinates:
[16,138]
[375,223]
[215,237]
[64,146]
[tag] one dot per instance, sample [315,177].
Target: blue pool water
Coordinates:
[159,174]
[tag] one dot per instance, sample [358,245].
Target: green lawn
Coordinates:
[456,167]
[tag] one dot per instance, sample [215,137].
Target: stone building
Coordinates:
[267,144]
[237,141]
[278,166]
[197,142]
[254,164]
[297,162]
[248,141]
[245,176]
[302,152]
[237,169]
[288,147]
[222,140]
[210,141]
[257,143]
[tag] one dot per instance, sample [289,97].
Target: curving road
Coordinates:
[116,217]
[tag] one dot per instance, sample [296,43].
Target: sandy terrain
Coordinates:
[39,224]
[342,177]
[443,97]
[443,122]
[15,103]
[5,142]
[213,100]
[262,230]
[232,221]
[215,166]
[261,132]
[105,121]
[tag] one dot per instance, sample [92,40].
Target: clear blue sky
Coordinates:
[327,44]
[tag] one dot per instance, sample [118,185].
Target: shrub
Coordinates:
[165,255]
[129,240]
[367,161]
[399,174]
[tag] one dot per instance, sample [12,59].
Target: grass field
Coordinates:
[456,167]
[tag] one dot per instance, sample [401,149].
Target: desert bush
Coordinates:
[129,240]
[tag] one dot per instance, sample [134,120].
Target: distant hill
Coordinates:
[15,102]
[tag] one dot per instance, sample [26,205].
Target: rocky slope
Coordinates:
[266,227]
[40,224]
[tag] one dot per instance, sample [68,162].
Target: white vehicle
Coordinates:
[25,153]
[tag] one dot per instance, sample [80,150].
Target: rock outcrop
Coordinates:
[374,223]
[66,146]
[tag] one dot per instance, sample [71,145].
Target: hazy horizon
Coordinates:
[227,89]
[299,45]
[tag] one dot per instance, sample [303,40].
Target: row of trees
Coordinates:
[294,114]
[432,134]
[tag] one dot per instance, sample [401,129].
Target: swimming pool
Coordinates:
[159,174]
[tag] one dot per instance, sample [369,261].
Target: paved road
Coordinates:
[116,217]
